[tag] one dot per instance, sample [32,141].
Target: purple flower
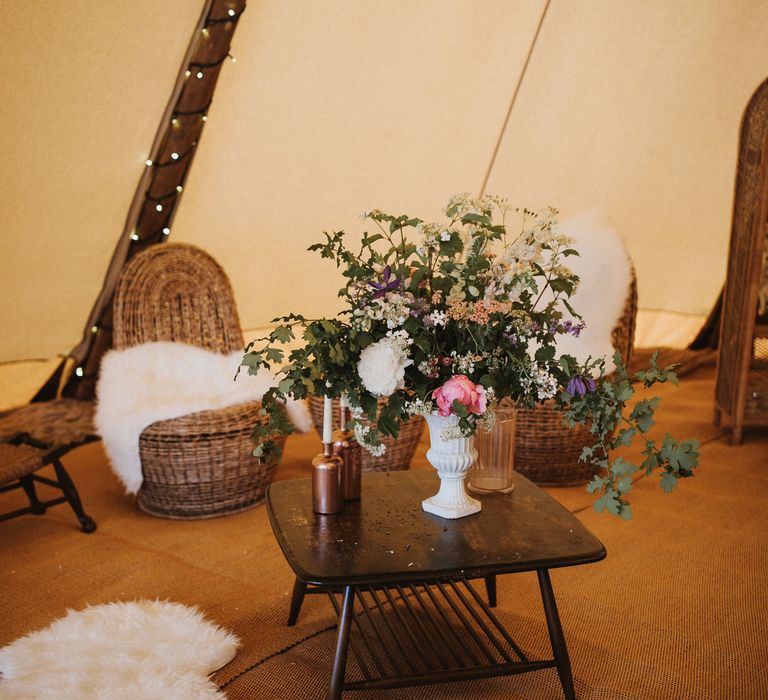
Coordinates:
[573,328]
[580,385]
[511,338]
[382,289]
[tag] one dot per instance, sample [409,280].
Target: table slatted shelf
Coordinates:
[420,632]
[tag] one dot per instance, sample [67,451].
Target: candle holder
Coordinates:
[326,481]
[351,453]
[326,471]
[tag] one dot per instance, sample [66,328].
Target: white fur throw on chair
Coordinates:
[147,383]
[605,272]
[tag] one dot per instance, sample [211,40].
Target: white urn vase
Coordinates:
[452,459]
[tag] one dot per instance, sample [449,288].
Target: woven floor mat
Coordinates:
[677,611]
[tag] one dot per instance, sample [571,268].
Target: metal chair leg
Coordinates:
[73,498]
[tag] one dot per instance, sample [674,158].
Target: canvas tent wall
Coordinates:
[631,108]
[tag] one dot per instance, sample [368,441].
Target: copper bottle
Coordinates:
[326,477]
[351,453]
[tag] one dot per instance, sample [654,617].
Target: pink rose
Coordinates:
[460,388]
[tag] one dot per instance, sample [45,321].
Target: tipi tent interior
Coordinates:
[308,114]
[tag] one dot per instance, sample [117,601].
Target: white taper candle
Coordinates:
[327,419]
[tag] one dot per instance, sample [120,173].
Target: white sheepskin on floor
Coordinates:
[156,381]
[119,651]
[606,274]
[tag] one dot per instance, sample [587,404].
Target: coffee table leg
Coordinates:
[342,644]
[490,589]
[299,589]
[556,634]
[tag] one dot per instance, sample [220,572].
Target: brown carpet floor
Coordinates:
[676,611]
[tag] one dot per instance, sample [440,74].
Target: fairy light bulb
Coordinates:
[94,329]
[199,75]
[179,188]
[149,162]
[174,156]
[204,117]
[231,13]
[79,372]
[174,122]
[205,31]
[166,231]
[134,236]
[159,207]
[187,73]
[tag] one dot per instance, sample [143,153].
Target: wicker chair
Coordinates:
[399,450]
[546,450]
[200,465]
[39,434]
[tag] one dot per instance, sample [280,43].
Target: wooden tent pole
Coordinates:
[158,193]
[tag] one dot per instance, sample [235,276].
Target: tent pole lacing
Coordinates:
[157,196]
[514,99]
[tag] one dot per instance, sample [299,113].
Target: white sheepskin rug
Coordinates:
[156,381]
[120,651]
[606,274]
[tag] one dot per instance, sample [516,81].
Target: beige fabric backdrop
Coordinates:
[631,108]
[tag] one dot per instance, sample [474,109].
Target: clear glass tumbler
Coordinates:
[492,470]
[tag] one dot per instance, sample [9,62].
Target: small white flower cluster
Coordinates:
[465,364]
[494,361]
[452,432]
[437,318]
[464,203]
[430,368]
[431,235]
[487,420]
[546,384]
[362,435]
[394,308]
[420,407]
[460,203]
[401,340]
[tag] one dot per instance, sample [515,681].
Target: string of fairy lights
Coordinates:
[166,202]
[196,69]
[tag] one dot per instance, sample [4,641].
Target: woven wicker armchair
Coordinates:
[200,465]
[547,451]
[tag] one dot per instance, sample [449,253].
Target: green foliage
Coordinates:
[605,411]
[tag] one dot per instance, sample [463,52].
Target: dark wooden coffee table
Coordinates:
[409,608]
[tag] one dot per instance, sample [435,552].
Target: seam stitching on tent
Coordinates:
[513,100]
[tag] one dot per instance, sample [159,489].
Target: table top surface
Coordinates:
[387,537]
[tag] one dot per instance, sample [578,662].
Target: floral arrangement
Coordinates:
[454,317]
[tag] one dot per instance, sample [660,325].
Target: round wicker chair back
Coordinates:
[547,451]
[200,465]
[176,292]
